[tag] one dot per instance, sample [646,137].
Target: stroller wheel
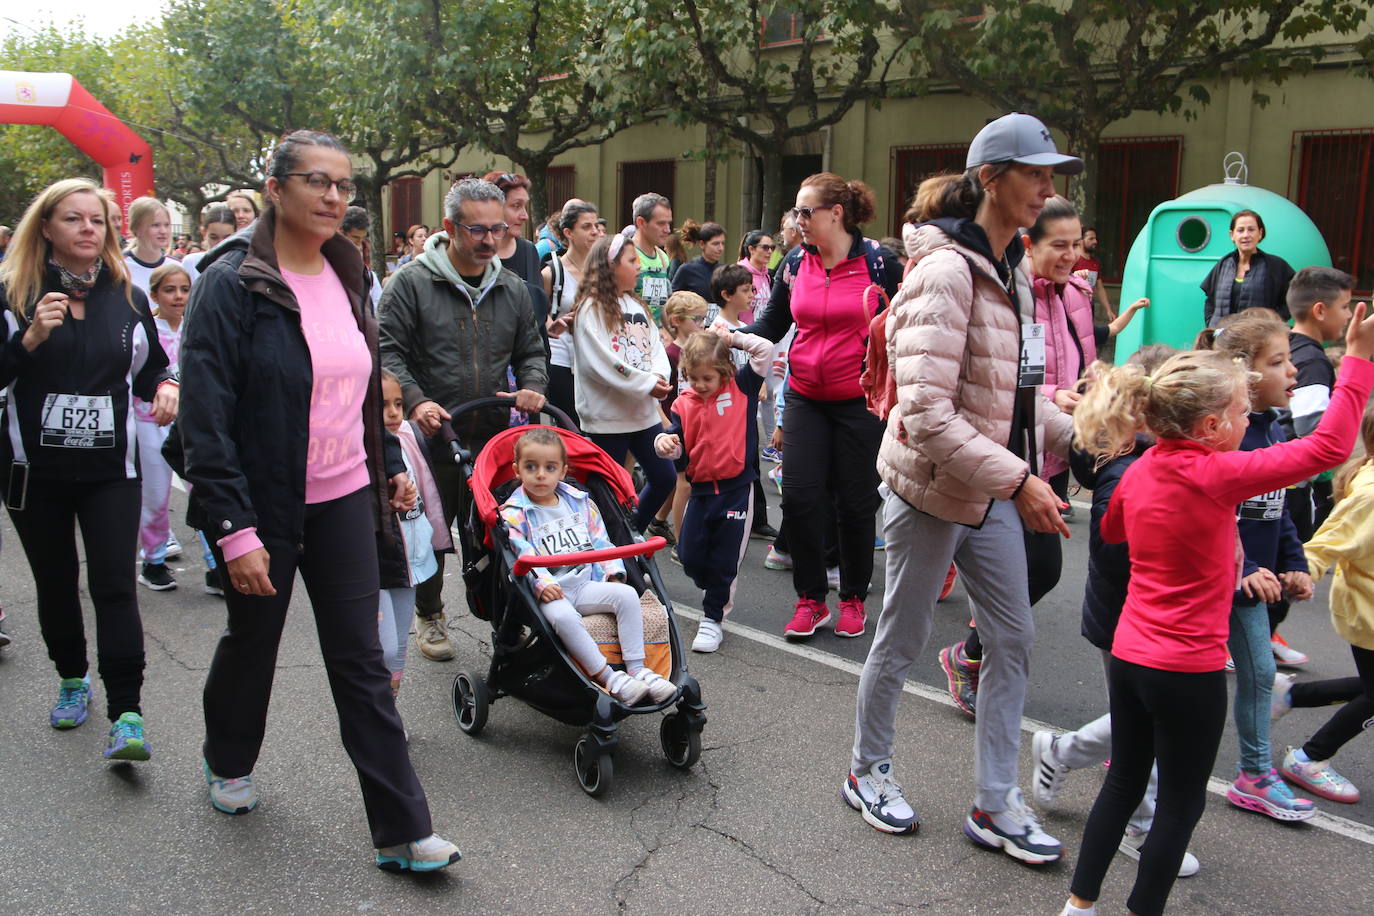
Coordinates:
[595,772]
[681,743]
[470,702]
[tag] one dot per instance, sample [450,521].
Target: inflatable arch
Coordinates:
[58,100]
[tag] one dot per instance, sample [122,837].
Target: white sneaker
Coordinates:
[173,548]
[1286,655]
[232,796]
[879,799]
[1071,910]
[1049,772]
[1280,702]
[1134,838]
[625,688]
[1016,831]
[709,635]
[660,688]
[429,854]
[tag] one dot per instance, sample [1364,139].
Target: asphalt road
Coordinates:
[756,827]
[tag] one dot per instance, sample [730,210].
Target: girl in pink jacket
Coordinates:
[1167,676]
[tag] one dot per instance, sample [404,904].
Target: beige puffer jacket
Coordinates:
[954,344]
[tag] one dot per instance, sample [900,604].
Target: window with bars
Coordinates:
[558,186]
[1134,175]
[636,178]
[1334,184]
[782,27]
[405,203]
[913,164]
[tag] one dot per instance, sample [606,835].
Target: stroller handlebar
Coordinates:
[644,548]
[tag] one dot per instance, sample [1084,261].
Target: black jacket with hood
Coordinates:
[243,429]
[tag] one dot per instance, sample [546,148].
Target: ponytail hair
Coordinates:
[924,203]
[1169,402]
[695,233]
[1243,335]
[860,206]
[961,198]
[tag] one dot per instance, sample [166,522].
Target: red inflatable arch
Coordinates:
[58,100]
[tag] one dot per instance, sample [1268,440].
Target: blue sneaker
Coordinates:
[768,453]
[879,543]
[429,854]
[126,739]
[72,699]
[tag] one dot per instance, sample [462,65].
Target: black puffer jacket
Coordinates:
[1109,565]
[244,425]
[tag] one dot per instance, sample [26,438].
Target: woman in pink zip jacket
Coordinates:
[823,286]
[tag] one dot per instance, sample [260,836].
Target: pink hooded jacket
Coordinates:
[1066,315]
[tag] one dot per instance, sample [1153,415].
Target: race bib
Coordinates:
[656,289]
[567,534]
[78,421]
[1032,356]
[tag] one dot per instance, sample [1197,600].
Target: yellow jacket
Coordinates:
[1346,541]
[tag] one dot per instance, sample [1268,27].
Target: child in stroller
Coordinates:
[546,516]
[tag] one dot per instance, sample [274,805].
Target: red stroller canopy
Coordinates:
[496,465]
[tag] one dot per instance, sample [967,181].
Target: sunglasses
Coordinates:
[766,247]
[805,212]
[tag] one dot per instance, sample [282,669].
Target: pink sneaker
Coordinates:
[852,618]
[810,614]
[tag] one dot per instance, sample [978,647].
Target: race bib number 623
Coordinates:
[78,421]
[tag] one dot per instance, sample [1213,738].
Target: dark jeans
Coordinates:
[830,453]
[1175,718]
[660,476]
[339,567]
[1348,721]
[108,514]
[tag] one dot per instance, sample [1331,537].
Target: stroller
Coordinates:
[528,660]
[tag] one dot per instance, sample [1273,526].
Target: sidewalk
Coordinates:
[756,827]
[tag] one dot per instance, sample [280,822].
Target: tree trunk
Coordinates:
[708,212]
[771,212]
[370,190]
[537,171]
[1083,188]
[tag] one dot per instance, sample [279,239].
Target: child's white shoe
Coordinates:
[1071,910]
[625,688]
[660,688]
[709,635]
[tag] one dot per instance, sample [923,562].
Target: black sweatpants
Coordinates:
[339,567]
[830,451]
[1173,717]
[108,515]
[1348,721]
[715,532]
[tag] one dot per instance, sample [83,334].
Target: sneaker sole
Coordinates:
[852,799]
[133,749]
[996,841]
[224,809]
[1185,868]
[953,685]
[790,633]
[436,655]
[1048,780]
[780,567]
[849,634]
[157,588]
[759,536]
[704,650]
[1319,791]
[400,864]
[217,592]
[1260,806]
[66,723]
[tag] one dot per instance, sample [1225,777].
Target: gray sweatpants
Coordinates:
[1093,744]
[992,567]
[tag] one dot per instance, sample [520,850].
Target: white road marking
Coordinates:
[1345,827]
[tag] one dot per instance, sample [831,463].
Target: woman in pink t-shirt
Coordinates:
[292,470]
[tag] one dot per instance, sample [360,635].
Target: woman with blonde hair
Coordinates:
[70,454]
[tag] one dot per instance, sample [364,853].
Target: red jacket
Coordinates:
[1176,509]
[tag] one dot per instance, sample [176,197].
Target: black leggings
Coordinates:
[562,391]
[1348,721]
[830,453]
[1173,717]
[339,567]
[108,515]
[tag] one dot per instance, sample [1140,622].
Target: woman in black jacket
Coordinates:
[80,344]
[1247,277]
[284,445]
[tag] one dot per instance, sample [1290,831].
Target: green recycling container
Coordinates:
[1184,238]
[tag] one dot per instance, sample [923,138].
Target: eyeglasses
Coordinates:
[320,183]
[497,231]
[698,319]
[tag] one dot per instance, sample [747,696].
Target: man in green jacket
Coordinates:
[452,324]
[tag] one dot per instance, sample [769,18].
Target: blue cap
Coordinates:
[1020,138]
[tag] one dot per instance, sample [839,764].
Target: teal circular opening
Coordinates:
[1193,234]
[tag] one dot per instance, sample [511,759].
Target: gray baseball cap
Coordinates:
[1020,138]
